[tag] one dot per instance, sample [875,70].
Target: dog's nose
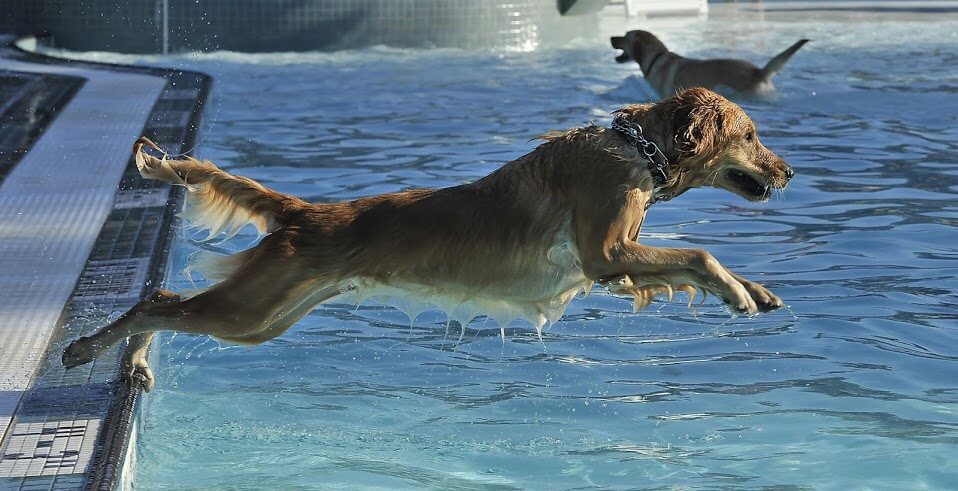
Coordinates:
[789,173]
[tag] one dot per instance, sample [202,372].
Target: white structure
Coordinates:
[665,7]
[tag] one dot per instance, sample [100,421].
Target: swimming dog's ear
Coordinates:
[698,119]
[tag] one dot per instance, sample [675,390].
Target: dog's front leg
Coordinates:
[653,265]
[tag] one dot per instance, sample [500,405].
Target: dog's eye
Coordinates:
[749,136]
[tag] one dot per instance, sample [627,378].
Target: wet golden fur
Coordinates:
[518,243]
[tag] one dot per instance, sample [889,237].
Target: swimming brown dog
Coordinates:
[669,73]
[518,243]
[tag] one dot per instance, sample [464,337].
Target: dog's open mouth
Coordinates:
[749,186]
[618,42]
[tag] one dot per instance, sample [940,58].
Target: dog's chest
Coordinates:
[539,292]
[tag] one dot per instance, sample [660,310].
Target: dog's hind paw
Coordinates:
[135,368]
[140,373]
[77,353]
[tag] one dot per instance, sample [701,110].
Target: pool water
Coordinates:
[853,386]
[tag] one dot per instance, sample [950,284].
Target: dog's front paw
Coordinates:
[79,352]
[765,300]
[736,297]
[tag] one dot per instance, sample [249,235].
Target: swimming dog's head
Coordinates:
[641,46]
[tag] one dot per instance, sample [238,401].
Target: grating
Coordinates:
[164,136]
[141,198]
[112,279]
[166,119]
[129,232]
[191,94]
[165,104]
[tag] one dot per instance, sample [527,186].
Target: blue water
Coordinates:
[853,386]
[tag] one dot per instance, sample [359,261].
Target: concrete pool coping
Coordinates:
[83,237]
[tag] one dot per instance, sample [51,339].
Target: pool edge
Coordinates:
[114,444]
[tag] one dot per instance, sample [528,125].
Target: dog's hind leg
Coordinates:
[289,315]
[261,295]
[244,320]
[133,361]
[156,313]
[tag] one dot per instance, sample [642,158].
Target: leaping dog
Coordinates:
[518,243]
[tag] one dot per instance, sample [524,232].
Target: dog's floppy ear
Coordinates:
[698,119]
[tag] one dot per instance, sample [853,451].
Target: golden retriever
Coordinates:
[669,73]
[518,243]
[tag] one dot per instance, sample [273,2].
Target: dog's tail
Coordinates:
[216,200]
[776,64]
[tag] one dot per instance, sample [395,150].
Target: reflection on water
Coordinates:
[855,384]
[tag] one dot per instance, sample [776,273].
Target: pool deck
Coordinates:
[82,237]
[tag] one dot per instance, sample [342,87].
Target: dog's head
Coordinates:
[718,146]
[710,141]
[641,46]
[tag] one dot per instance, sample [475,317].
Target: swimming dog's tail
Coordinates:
[216,200]
[779,61]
